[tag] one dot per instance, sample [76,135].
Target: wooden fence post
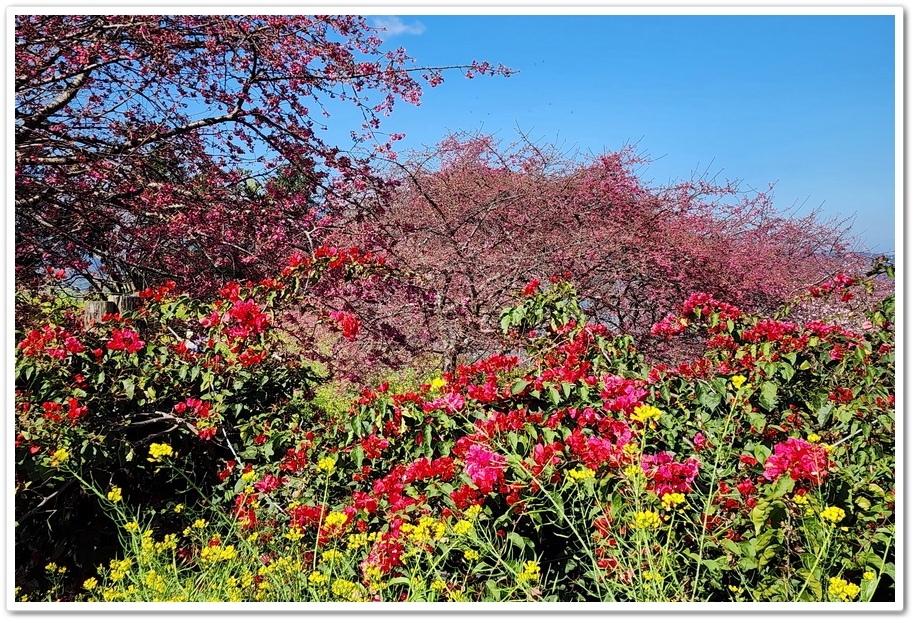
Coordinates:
[93,311]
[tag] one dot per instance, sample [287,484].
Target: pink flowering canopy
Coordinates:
[145,144]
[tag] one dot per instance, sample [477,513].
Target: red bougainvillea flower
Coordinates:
[485,468]
[348,323]
[799,458]
[667,475]
[373,446]
[531,287]
[75,411]
[125,339]
[269,483]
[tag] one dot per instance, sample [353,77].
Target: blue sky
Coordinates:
[806,102]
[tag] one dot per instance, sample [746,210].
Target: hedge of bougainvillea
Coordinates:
[566,468]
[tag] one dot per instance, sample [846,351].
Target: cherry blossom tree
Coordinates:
[147,147]
[474,224]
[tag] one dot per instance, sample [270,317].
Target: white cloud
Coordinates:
[395,26]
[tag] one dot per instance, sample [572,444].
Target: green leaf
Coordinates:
[766,556]
[731,546]
[517,540]
[814,583]
[759,514]
[710,400]
[519,386]
[783,486]
[768,395]
[128,385]
[554,396]
[505,322]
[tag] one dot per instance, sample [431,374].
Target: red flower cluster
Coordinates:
[838,282]
[768,330]
[622,395]
[54,341]
[158,293]
[244,319]
[348,323]
[667,475]
[531,287]
[206,428]
[125,339]
[54,411]
[486,469]
[373,446]
[799,458]
[596,451]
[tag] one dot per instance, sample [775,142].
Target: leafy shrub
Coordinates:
[569,469]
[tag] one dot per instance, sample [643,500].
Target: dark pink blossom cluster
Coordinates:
[768,331]
[242,320]
[799,458]
[125,339]
[348,323]
[600,450]
[622,395]
[54,341]
[667,475]
[485,468]
[840,281]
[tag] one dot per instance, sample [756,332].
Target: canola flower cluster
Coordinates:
[843,590]
[646,520]
[833,514]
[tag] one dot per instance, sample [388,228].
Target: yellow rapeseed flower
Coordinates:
[471,555]
[90,584]
[335,519]
[580,474]
[132,526]
[114,495]
[249,476]
[645,413]
[59,457]
[356,541]
[833,514]
[462,526]
[670,500]
[438,382]
[318,578]
[646,520]
[438,585]
[346,589]
[738,380]
[327,464]
[842,589]
[332,555]
[814,438]
[157,451]
[531,572]
[472,512]
[868,575]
